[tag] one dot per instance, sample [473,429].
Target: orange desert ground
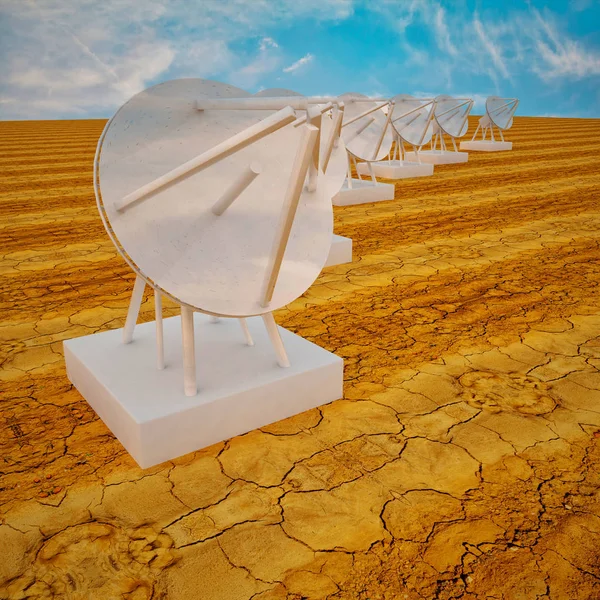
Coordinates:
[462,462]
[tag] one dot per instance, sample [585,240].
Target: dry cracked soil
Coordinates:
[462,462]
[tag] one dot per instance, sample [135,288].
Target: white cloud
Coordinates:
[442,33]
[266,61]
[561,58]
[521,42]
[567,60]
[494,50]
[268,42]
[88,57]
[307,58]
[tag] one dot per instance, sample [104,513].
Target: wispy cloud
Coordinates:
[84,57]
[442,33]
[268,42]
[267,60]
[562,58]
[301,62]
[492,49]
[87,57]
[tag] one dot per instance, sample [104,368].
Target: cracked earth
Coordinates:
[463,461]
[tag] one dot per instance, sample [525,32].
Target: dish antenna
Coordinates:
[368,136]
[451,118]
[499,113]
[332,152]
[411,125]
[332,157]
[211,207]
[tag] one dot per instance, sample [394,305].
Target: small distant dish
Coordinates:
[412,125]
[412,119]
[365,129]
[499,113]
[452,115]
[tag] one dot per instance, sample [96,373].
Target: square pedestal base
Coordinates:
[341,251]
[364,191]
[240,387]
[437,157]
[486,146]
[397,169]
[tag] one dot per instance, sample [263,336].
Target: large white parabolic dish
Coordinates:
[363,136]
[412,119]
[501,111]
[215,264]
[451,114]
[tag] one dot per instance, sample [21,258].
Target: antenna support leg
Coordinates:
[276,341]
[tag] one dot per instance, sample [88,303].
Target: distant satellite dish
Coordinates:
[451,118]
[411,124]
[452,115]
[412,119]
[365,129]
[499,113]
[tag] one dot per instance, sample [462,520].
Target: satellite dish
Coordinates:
[365,129]
[195,209]
[332,152]
[499,113]
[411,124]
[210,207]
[452,115]
[412,119]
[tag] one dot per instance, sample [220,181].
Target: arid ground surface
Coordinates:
[463,461]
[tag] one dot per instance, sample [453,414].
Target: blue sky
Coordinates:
[84,58]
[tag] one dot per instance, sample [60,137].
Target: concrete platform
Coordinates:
[363,191]
[240,387]
[397,169]
[437,157]
[485,146]
[341,251]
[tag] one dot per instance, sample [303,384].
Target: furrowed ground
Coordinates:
[462,462]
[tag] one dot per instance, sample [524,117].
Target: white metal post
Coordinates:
[276,341]
[134,309]
[158,316]
[190,387]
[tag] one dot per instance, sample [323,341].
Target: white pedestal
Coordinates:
[364,191]
[341,251]
[396,169]
[485,145]
[437,157]
[240,387]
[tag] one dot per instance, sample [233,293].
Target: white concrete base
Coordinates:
[364,191]
[437,157]
[485,145]
[240,387]
[396,169]
[341,251]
